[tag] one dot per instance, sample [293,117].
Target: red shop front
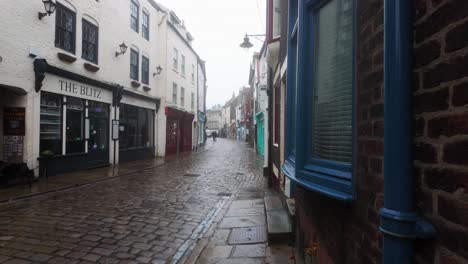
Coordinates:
[178,131]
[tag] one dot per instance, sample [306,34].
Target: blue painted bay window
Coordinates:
[320,96]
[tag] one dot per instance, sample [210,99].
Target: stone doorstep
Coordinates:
[279,226]
[273,203]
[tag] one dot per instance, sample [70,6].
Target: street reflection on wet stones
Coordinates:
[147,217]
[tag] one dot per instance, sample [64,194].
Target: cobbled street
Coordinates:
[148,217]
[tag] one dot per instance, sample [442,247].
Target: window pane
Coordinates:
[98,126]
[134,16]
[51,124]
[174,93]
[75,125]
[134,65]
[65,29]
[332,105]
[90,39]
[145,70]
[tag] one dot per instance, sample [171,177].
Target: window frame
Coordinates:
[175,59]
[84,23]
[182,96]
[145,71]
[182,65]
[145,30]
[175,87]
[137,18]
[330,178]
[136,66]
[192,101]
[62,8]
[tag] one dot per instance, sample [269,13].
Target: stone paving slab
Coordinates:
[243,221]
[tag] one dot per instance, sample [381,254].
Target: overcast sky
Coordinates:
[218,27]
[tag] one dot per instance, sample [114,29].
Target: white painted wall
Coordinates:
[22,31]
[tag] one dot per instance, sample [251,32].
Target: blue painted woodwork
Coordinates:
[333,179]
[400,223]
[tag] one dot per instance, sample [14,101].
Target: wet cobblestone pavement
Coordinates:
[149,217]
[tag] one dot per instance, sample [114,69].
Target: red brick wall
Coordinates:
[441,126]
[348,234]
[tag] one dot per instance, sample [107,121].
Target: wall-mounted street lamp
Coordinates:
[49,6]
[159,69]
[123,49]
[247,44]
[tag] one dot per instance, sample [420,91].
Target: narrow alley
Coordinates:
[155,216]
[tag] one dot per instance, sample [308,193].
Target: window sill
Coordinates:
[290,172]
[135,84]
[91,67]
[66,57]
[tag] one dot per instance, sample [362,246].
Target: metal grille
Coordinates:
[249,235]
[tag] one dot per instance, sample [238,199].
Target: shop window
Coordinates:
[138,127]
[182,65]
[145,25]
[182,96]
[90,42]
[320,92]
[134,15]
[98,126]
[174,93]
[145,70]
[51,124]
[75,126]
[65,28]
[175,59]
[134,61]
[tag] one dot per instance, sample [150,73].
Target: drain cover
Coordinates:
[224,194]
[239,173]
[192,175]
[151,204]
[249,235]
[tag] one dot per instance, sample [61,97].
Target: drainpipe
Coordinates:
[400,223]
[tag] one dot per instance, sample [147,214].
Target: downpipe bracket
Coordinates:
[405,225]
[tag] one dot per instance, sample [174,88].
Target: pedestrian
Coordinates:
[214,135]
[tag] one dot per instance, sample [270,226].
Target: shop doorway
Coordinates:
[98,142]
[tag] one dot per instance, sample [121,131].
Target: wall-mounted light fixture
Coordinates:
[159,69]
[123,49]
[49,6]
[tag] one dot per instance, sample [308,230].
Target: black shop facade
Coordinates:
[84,123]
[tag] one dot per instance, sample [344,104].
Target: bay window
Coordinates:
[319,148]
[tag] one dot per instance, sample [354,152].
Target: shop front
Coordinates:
[82,123]
[74,121]
[178,131]
[136,131]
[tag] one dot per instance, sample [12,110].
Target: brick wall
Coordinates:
[441,125]
[349,234]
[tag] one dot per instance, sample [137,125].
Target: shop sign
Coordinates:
[14,121]
[59,85]
[13,130]
[81,89]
